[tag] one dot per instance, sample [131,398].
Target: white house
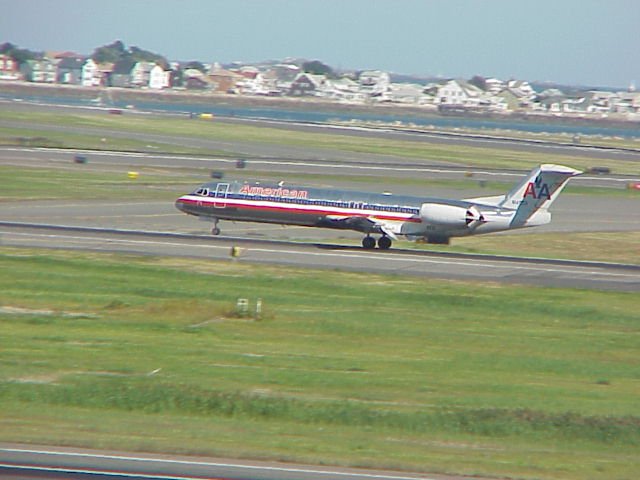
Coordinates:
[343,90]
[458,92]
[90,76]
[406,93]
[494,85]
[374,82]
[159,78]
[521,88]
[141,74]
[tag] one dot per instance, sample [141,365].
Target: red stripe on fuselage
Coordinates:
[220,204]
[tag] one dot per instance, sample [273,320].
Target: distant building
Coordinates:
[494,85]
[9,69]
[307,84]
[374,82]
[159,78]
[121,73]
[405,93]
[458,93]
[224,81]
[39,71]
[70,70]
[141,74]
[521,88]
[90,76]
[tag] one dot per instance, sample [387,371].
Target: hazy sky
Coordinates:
[587,42]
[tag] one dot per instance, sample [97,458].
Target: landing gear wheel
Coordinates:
[384,243]
[368,242]
[215,231]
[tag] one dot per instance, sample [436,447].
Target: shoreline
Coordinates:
[127,95]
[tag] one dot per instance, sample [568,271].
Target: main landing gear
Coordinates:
[384,243]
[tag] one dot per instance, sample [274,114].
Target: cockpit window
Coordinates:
[203,192]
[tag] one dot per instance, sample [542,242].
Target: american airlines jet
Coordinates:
[384,215]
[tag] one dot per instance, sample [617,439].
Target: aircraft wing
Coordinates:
[365,224]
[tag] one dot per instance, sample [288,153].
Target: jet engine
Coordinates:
[450,215]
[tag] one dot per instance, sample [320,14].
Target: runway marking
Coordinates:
[198,463]
[110,473]
[373,256]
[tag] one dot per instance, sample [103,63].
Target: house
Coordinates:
[458,93]
[594,102]
[195,83]
[194,79]
[521,88]
[159,78]
[374,82]
[506,99]
[551,104]
[627,102]
[141,74]
[9,69]
[39,71]
[70,70]
[284,72]
[96,75]
[121,73]
[224,81]
[90,75]
[494,85]
[307,84]
[344,90]
[405,93]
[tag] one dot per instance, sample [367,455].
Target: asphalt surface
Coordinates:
[405,262]
[27,462]
[280,163]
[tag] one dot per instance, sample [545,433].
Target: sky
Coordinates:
[572,42]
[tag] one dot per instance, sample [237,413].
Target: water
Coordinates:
[324,116]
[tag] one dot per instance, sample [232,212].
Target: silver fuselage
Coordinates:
[318,207]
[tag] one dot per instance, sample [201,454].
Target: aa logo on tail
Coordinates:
[537,190]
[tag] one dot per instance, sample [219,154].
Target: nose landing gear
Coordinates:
[215,230]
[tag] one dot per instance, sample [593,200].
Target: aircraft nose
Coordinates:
[181,204]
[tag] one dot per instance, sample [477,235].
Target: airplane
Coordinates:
[389,216]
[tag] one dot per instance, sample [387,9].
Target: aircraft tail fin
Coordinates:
[537,191]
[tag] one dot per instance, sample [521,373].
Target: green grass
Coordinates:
[387,371]
[461,155]
[39,136]
[82,182]
[616,247]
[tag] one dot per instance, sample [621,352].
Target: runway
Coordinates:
[325,256]
[328,164]
[23,463]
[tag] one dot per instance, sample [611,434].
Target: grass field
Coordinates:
[171,126]
[33,183]
[386,372]
[149,354]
